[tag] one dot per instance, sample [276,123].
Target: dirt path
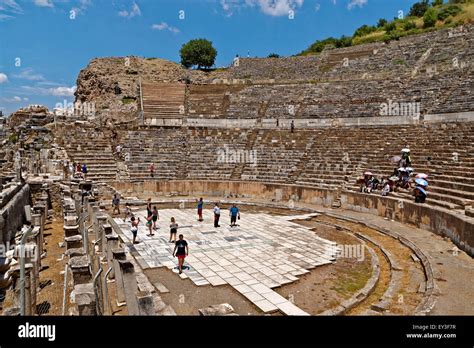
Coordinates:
[186,298]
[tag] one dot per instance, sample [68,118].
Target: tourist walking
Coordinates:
[234,215]
[217,215]
[149,211]
[118,151]
[116,204]
[66,169]
[149,223]
[155,217]
[173,230]
[200,207]
[152,170]
[181,250]
[292,126]
[84,171]
[128,212]
[134,228]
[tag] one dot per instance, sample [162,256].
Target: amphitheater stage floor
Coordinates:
[264,252]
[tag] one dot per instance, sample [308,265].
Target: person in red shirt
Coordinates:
[181,251]
[152,170]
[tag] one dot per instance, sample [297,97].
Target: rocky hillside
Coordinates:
[112,83]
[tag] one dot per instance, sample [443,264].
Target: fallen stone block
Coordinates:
[220,309]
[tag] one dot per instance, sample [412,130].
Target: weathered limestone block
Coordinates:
[220,309]
[112,244]
[130,286]
[469,211]
[80,267]
[73,242]
[15,274]
[84,297]
[107,230]
[75,252]
[71,230]
[70,220]
[145,303]
[118,255]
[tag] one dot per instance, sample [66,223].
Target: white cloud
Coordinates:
[279,7]
[134,11]
[4,17]
[270,7]
[3,78]
[83,5]
[44,3]
[29,74]
[9,8]
[56,91]
[164,26]
[63,91]
[317,7]
[354,3]
[15,99]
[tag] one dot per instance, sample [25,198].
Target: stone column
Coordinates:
[15,273]
[130,286]
[38,234]
[107,231]
[101,221]
[41,211]
[112,244]
[118,255]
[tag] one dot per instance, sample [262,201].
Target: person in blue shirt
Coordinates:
[234,214]
[84,171]
[200,206]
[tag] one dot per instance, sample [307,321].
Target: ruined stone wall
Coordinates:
[12,215]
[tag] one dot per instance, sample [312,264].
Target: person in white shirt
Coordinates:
[217,215]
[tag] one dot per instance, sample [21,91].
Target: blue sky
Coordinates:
[45,43]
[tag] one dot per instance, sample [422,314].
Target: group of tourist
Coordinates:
[80,170]
[181,249]
[400,178]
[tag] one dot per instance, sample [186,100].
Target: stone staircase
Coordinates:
[92,147]
[163,100]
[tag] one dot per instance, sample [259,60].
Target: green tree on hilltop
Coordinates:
[198,52]
[419,8]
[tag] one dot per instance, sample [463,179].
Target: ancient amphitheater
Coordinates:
[285,139]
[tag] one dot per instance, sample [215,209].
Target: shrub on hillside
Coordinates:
[409,25]
[451,10]
[381,23]
[364,30]
[389,27]
[429,18]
